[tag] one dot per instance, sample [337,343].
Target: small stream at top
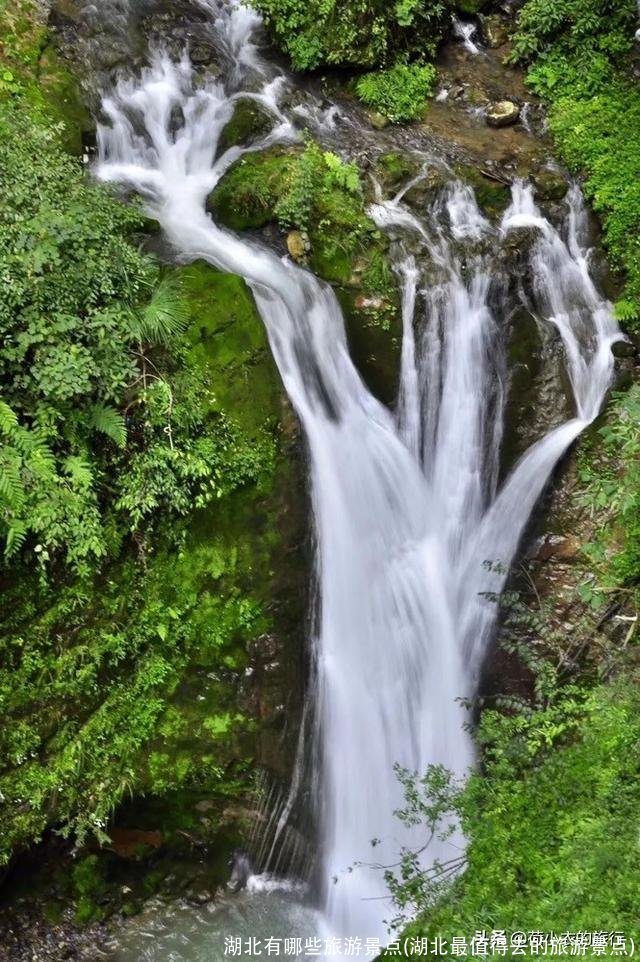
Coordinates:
[415,527]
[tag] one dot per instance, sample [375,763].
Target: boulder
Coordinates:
[494,31]
[549,184]
[502,114]
[377,120]
[557,547]
[297,244]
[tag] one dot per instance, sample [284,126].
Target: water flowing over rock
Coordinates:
[415,531]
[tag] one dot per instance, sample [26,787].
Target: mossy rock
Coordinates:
[374,344]
[346,248]
[250,120]
[246,197]
[394,170]
[549,184]
[63,98]
[227,341]
[492,196]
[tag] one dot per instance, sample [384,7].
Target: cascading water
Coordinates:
[407,505]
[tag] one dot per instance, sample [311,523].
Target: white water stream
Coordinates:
[406,504]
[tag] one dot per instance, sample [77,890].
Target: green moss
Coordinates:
[88,886]
[581,57]
[32,69]
[247,195]
[492,197]
[249,121]
[470,7]
[128,682]
[396,169]
[62,99]
[228,343]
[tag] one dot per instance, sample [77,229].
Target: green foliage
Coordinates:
[400,93]
[315,175]
[103,423]
[576,27]
[581,53]
[363,33]
[610,473]
[551,823]
[315,191]
[70,285]
[115,383]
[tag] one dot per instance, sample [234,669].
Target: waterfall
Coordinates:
[407,503]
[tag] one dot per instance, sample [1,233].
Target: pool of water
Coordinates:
[180,932]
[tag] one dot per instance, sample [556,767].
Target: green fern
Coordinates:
[8,419]
[79,472]
[15,537]
[105,418]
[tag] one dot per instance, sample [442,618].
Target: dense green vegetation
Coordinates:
[362,33]
[552,822]
[139,424]
[140,445]
[399,93]
[580,54]
[317,193]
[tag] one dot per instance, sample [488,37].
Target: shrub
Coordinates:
[399,92]
[361,33]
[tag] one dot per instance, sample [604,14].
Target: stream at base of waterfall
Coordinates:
[415,528]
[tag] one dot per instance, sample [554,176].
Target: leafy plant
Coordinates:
[362,33]
[400,93]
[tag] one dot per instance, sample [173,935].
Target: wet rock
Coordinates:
[549,184]
[502,114]
[206,805]
[426,189]
[364,303]
[495,31]
[557,547]
[476,97]
[297,244]
[202,897]
[357,274]
[377,120]
[249,121]
[393,170]
[624,349]
[519,239]
[201,55]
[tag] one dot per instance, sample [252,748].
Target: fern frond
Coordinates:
[12,494]
[8,419]
[105,418]
[16,536]
[79,471]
